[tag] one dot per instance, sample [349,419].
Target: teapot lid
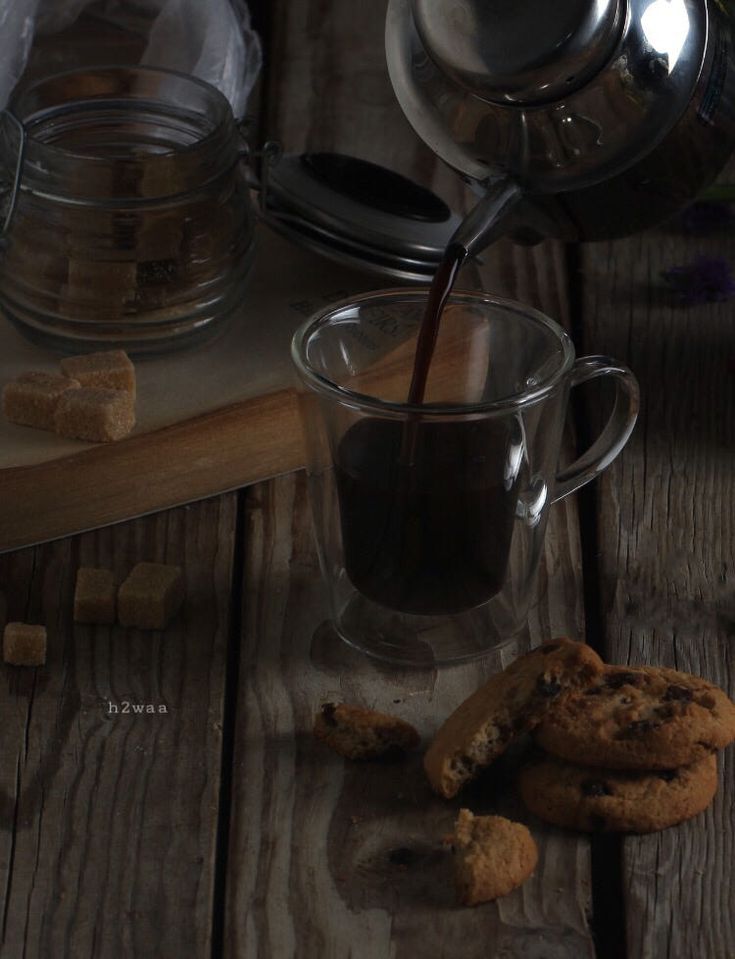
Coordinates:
[510,52]
[358,212]
[657,52]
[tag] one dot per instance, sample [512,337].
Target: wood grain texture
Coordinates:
[331,859]
[108,820]
[666,518]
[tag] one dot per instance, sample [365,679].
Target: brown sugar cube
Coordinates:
[24,645]
[151,596]
[159,238]
[164,176]
[98,290]
[49,265]
[93,279]
[111,370]
[99,416]
[94,596]
[32,398]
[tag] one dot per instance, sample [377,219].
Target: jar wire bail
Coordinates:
[269,155]
[18,176]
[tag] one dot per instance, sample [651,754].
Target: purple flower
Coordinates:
[706,280]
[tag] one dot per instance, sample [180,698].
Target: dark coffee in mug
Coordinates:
[427,524]
[427,516]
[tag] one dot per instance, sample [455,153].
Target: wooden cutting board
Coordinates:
[209,420]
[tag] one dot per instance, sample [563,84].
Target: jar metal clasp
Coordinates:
[269,155]
[17,176]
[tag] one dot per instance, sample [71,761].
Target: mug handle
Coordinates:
[616,431]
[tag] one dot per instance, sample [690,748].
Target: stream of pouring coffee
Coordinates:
[483,224]
[441,288]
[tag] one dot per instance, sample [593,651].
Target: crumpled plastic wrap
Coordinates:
[210,39]
[17,27]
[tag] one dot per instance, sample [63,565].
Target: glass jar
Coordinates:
[132,225]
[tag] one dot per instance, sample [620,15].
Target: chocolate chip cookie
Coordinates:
[492,856]
[640,718]
[615,800]
[358,733]
[510,703]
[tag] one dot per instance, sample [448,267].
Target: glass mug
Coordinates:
[430,519]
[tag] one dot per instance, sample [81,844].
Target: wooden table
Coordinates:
[215,825]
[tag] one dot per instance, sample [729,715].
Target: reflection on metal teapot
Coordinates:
[598,117]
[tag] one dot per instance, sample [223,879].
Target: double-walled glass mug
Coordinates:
[430,519]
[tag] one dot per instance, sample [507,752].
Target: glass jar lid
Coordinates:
[358,213]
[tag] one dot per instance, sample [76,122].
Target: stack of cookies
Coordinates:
[509,704]
[628,749]
[634,752]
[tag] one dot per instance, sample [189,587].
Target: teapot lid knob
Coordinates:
[526,52]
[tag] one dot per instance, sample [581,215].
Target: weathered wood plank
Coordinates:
[330,859]
[108,819]
[667,561]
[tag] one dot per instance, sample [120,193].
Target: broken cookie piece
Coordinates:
[510,703]
[492,856]
[358,733]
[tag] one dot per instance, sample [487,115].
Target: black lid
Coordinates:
[359,213]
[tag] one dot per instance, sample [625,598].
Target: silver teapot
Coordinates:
[578,119]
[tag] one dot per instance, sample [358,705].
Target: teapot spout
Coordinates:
[489,219]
